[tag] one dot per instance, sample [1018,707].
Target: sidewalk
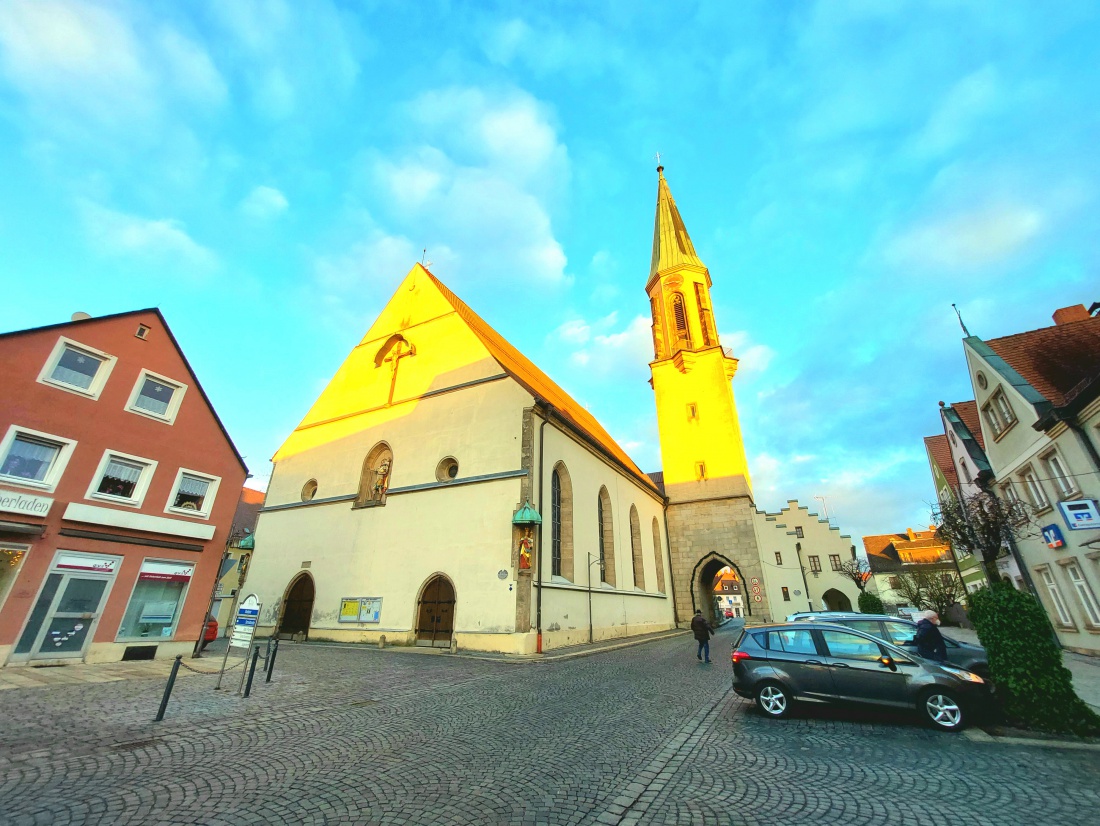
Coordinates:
[1085,670]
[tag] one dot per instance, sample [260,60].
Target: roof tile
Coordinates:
[1054,360]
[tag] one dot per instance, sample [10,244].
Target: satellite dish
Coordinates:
[79,316]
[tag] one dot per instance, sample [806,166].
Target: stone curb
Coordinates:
[976,735]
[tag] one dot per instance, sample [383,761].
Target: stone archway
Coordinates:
[297,607]
[836,600]
[702,585]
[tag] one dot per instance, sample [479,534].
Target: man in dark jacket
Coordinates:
[702,631]
[929,640]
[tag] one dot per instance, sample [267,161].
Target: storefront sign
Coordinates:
[1053,537]
[86,562]
[1080,514]
[166,571]
[24,503]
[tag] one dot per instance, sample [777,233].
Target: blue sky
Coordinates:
[267,172]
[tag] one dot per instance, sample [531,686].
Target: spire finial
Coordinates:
[961,324]
[660,166]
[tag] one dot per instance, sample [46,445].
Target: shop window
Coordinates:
[157,397]
[32,458]
[121,478]
[193,493]
[11,560]
[157,599]
[77,368]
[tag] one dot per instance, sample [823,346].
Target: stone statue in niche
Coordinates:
[525,546]
[381,479]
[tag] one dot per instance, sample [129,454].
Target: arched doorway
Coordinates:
[435,613]
[836,600]
[702,586]
[297,607]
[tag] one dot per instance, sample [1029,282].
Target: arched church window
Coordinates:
[607,537]
[636,549]
[561,522]
[706,320]
[374,478]
[658,557]
[679,318]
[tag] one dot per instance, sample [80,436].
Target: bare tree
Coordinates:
[856,570]
[984,525]
[931,588]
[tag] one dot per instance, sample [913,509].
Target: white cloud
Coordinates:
[964,104]
[163,240]
[264,203]
[967,240]
[752,358]
[576,331]
[375,259]
[191,70]
[616,353]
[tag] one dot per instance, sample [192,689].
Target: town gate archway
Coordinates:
[702,585]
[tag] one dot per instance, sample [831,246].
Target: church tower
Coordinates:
[706,475]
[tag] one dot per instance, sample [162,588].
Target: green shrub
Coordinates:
[870,603]
[1033,687]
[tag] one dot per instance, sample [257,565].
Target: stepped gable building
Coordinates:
[118,484]
[444,491]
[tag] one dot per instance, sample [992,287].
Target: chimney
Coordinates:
[1068,314]
[910,534]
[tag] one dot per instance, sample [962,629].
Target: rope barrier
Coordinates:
[200,671]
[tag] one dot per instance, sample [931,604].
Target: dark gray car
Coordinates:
[779,665]
[899,631]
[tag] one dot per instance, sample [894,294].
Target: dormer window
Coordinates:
[998,413]
[77,368]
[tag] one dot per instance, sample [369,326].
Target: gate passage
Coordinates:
[435,614]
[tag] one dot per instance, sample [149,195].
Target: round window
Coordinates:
[447,470]
[982,381]
[309,490]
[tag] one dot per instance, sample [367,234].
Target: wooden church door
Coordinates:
[435,614]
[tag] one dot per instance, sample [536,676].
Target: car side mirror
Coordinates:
[888,661]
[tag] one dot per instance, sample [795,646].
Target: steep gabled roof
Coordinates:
[1056,360]
[539,385]
[672,246]
[175,343]
[940,451]
[968,412]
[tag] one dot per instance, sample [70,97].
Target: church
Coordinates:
[444,491]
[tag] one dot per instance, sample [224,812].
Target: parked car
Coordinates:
[898,631]
[729,613]
[782,664]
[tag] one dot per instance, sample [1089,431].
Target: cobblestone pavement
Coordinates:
[637,735]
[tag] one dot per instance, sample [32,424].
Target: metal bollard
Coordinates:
[168,688]
[252,671]
[271,661]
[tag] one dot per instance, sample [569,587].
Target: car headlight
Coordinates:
[963,674]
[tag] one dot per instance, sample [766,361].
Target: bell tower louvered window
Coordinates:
[679,318]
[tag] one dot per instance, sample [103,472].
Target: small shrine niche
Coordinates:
[374,480]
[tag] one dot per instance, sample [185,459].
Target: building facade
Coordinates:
[117,488]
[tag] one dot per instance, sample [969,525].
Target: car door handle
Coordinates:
[838,665]
[814,662]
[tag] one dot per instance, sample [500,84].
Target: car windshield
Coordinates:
[899,632]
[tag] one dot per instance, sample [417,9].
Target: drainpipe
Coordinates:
[805,582]
[538,596]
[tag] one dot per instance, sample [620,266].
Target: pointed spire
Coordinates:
[671,245]
[966,332]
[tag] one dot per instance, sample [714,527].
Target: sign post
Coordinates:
[244,626]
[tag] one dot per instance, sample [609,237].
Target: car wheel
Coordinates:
[773,699]
[942,710]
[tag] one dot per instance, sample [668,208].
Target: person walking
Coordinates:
[928,638]
[702,631]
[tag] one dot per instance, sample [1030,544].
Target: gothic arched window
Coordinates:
[561,523]
[658,557]
[607,537]
[374,478]
[636,549]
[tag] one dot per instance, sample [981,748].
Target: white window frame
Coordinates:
[169,416]
[57,469]
[1036,494]
[184,594]
[1084,592]
[1064,616]
[998,413]
[208,502]
[1059,474]
[149,466]
[98,381]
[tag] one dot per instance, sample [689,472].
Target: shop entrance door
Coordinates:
[63,617]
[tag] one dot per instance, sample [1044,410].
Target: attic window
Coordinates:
[983,382]
[142,332]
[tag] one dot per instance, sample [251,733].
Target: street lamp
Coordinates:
[592,560]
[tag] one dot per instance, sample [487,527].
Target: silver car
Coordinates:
[782,664]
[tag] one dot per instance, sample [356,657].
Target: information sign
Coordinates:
[248,614]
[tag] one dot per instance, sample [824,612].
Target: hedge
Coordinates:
[1034,689]
[870,603]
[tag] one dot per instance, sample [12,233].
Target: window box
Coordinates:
[156,397]
[30,458]
[122,479]
[77,368]
[193,494]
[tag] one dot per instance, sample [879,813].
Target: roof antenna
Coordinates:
[961,324]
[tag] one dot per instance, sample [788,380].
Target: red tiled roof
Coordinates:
[1054,360]
[520,368]
[968,412]
[940,451]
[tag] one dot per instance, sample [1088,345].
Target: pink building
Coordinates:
[118,485]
